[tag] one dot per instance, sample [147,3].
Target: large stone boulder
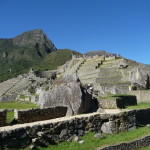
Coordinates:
[139,79]
[69,94]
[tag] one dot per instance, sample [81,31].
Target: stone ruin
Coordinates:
[70,96]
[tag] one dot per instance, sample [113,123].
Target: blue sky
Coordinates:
[118,26]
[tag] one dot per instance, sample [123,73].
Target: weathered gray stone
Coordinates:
[81,141]
[139,79]
[63,133]
[67,94]
[32,147]
[38,142]
[123,64]
[148,125]
[107,128]
[99,135]
[76,139]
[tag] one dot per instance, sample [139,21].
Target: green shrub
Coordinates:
[46,88]
[31,90]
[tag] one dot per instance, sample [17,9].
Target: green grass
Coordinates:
[107,98]
[23,96]
[117,95]
[15,105]
[9,117]
[91,143]
[146,148]
[141,105]
[119,82]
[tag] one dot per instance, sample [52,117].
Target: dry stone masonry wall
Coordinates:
[142,116]
[118,102]
[2,117]
[134,145]
[108,103]
[31,115]
[142,95]
[62,129]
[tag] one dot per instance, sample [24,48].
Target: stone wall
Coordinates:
[114,88]
[2,117]
[108,103]
[117,102]
[142,95]
[31,115]
[142,116]
[134,145]
[5,98]
[110,58]
[62,129]
[46,74]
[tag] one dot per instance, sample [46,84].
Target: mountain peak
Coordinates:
[31,37]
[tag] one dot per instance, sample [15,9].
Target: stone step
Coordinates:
[73,69]
[90,70]
[109,65]
[109,70]
[88,76]
[91,62]
[93,59]
[87,81]
[81,73]
[119,84]
[109,74]
[113,61]
[87,68]
[90,65]
[108,79]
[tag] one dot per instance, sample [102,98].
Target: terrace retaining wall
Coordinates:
[3,117]
[134,145]
[37,114]
[142,116]
[62,129]
[118,102]
[42,133]
[142,95]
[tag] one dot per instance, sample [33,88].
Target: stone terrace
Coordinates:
[102,72]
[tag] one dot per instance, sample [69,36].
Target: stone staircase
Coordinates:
[74,66]
[104,75]
[88,71]
[8,85]
[11,88]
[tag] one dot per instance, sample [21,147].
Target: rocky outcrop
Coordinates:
[70,94]
[139,79]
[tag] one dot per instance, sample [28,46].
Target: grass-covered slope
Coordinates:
[19,54]
[91,143]
[55,59]
[31,49]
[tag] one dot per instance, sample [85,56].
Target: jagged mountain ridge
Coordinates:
[19,54]
[36,40]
